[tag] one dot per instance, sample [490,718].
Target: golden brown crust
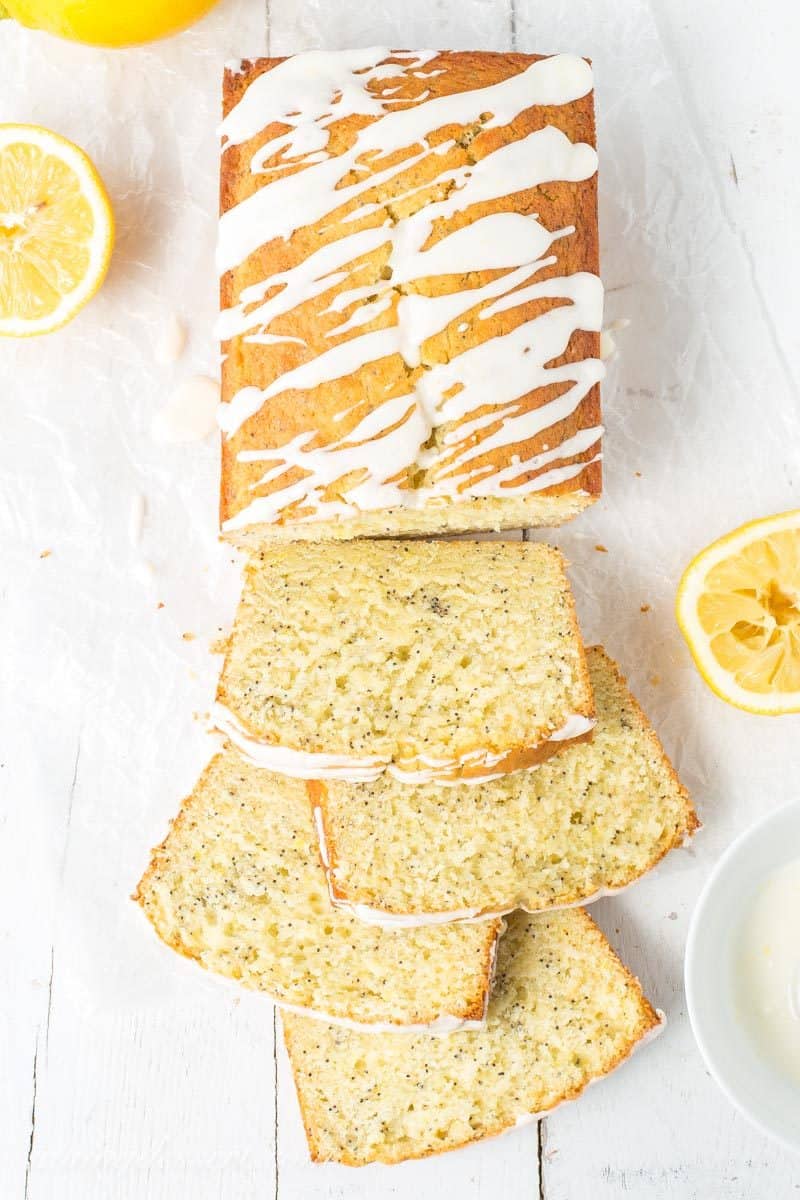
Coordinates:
[521,758]
[692,820]
[558,204]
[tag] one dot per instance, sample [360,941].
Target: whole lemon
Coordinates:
[107,22]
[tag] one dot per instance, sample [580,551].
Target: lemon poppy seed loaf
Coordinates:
[237,886]
[590,820]
[411,303]
[564,1012]
[432,660]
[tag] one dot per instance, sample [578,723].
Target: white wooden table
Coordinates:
[123,1076]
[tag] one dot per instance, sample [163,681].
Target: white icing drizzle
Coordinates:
[439,1027]
[190,413]
[309,764]
[575,726]
[608,339]
[394,920]
[295,92]
[299,764]
[479,395]
[172,340]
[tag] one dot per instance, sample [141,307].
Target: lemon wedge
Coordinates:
[738,607]
[56,230]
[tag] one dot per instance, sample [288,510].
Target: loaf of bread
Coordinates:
[411,307]
[238,887]
[432,660]
[589,821]
[564,1012]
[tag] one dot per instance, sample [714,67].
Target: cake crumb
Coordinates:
[219,646]
[601,548]
[638,474]
[654,679]
[644,608]
[45,553]
[160,605]
[188,637]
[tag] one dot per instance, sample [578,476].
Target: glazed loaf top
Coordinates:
[410,301]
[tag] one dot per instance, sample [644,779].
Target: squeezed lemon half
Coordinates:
[738,607]
[56,230]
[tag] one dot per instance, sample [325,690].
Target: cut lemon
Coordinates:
[108,22]
[738,607]
[56,230]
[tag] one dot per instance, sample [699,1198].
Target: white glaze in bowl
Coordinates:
[769,1099]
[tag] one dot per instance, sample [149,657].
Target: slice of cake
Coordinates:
[237,886]
[591,820]
[564,1012]
[411,307]
[436,661]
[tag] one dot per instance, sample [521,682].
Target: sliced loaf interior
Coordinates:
[431,659]
[591,819]
[237,885]
[564,1012]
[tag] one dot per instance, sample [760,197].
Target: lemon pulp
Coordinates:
[739,609]
[56,230]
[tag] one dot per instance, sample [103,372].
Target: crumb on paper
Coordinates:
[734,173]
[45,553]
[188,637]
[644,608]
[190,413]
[638,474]
[160,605]
[673,916]
[654,679]
[601,548]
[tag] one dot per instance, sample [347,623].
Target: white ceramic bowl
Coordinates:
[750,1082]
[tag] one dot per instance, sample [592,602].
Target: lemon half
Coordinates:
[108,22]
[56,230]
[738,607]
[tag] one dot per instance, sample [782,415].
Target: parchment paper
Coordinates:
[102,684]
